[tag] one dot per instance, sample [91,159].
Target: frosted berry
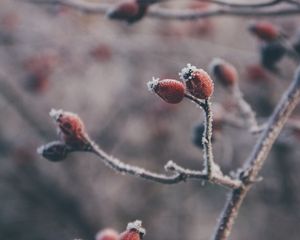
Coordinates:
[264,30]
[70,128]
[107,234]
[54,151]
[134,231]
[223,72]
[197,81]
[170,90]
[128,10]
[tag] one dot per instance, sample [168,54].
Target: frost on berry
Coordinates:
[107,234]
[223,72]
[197,81]
[54,151]
[186,72]
[134,231]
[152,84]
[70,129]
[170,90]
[136,225]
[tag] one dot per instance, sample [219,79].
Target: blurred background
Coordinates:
[53,56]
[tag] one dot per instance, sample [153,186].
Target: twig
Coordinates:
[245,109]
[206,140]
[170,14]
[210,167]
[245,5]
[257,158]
[16,100]
[180,174]
[293,2]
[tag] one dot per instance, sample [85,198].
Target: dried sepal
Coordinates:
[134,231]
[54,151]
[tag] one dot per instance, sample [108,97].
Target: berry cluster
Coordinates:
[194,81]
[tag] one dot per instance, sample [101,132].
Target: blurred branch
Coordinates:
[244,107]
[257,158]
[237,5]
[165,13]
[14,97]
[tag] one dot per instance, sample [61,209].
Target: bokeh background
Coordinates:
[52,56]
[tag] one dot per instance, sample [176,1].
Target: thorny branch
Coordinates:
[257,158]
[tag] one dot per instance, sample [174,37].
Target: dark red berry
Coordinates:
[264,30]
[197,81]
[223,72]
[170,90]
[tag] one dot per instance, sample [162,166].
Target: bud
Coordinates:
[264,30]
[223,72]
[70,128]
[197,81]
[134,231]
[271,53]
[296,45]
[54,151]
[170,90]
[107,234]
[129,11]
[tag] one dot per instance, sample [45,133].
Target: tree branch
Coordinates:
[180,173]
[257,158]
[170,14]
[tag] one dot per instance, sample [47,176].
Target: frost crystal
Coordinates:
[56,114]
[152,84]
[137,225]
[40,150]
[186,72]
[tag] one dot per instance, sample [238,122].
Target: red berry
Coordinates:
[102,52]
[264,30]
[107,234]
[223,72]
[256,73]
[197,81]
[170,90]
[70,128]
[134,231]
